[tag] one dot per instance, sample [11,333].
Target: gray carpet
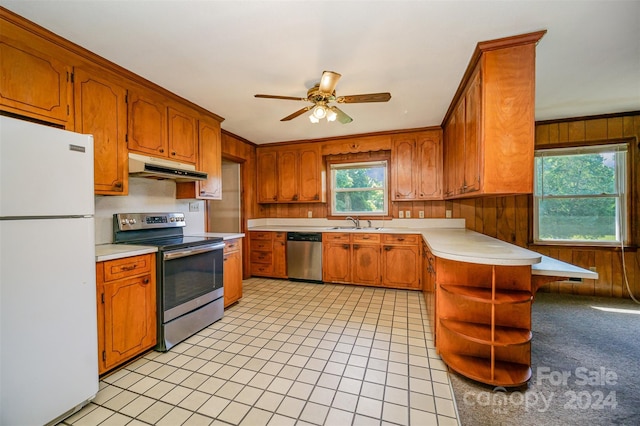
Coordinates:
[585,364]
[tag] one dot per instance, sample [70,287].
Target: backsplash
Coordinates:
[145,196]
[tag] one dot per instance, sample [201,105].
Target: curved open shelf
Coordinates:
[481,333]
[506,374]
[480,294]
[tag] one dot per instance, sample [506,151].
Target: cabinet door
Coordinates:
[400,266]
[429,170]
[366,264]
[232,278]
[472,123]
[147,125]
[336,262]
[209,161]
[287,176]
[183,136]
[266,176]
[458,160]
[403,172]
[130,318]
[33,83]
[279,257]
[310,184]
[101,110]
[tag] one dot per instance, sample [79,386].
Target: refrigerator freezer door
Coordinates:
[44,171]
[48,326]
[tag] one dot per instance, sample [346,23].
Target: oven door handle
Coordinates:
[190,252]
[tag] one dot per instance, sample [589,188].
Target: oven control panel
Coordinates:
[136,221]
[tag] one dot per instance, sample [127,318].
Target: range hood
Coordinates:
[159,168]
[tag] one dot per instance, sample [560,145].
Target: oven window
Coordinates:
[187,278]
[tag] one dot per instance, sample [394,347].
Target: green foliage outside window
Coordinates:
[359,189]
[578,196]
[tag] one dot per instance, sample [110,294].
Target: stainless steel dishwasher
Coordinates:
[304,256]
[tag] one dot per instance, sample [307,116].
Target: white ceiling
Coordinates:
[218,54]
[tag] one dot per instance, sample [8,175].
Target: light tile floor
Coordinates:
[290,353]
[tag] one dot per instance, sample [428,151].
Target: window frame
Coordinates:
[623,195]
[338,164]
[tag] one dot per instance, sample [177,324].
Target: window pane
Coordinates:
[369,177]
[359,201]
[581,174]
[581,219]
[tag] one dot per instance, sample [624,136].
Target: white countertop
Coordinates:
[463,245]
[118,251]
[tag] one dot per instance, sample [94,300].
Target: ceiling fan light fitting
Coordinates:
[331,115]
[320,111]
[313,119]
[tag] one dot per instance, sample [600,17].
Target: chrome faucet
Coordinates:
[355,221]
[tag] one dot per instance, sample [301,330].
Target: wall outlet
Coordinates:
[407,214]
[447,214]
[401,214]
[309,213]
[194,206]
[421,214]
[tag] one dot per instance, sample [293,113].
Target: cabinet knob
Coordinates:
[118,185]
[387,248]
[275,198]
[173,153]
[161,150]
[146,281]
[345,246]
[295,197]
[356,246]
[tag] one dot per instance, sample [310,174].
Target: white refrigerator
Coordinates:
[48,331]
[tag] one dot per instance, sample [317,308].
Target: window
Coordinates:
[580,196]
[359,189]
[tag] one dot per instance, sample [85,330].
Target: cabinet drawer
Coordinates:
[336,236]
[401,239]
[126,267]
[261,235]
[279,236]
[261,257]
[365,238]
[261,269]
[261,245]
[231,246]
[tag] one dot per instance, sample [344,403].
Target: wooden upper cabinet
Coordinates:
[209,161]
[489,128]
[101,110]
[147,125]
[266,176]
[288,171]
[34,83]
[416,166]
[290,174]
[183,136]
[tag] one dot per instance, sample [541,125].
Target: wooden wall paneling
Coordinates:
[603,261]
[479,218]
[617,276]
[489,217]
[542,134]
[596,129]
[438,209]
[576,131]
[467,212]
[523,234]
[614,128]
[584,259]
[506,218]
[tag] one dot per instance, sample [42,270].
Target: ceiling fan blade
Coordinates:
[328,82]
[286,98]
[296,114]
[341,116]
[369,97]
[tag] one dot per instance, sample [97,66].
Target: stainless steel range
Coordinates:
[189,272]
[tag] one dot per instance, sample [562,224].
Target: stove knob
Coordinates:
[124,221]
[133,221]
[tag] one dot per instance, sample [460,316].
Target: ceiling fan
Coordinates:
[324,92]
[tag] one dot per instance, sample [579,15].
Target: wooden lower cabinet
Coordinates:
[126,306]
[268,254]
[232,271]
[387,260]
[401,261]
[483,320]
